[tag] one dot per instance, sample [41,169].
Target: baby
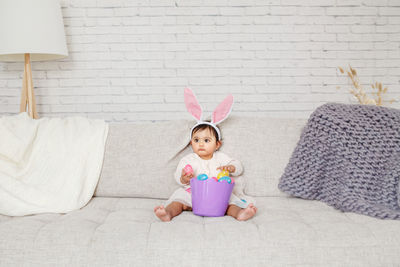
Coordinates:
[205,140]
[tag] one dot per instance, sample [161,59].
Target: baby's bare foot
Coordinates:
[162,213]
[247,213]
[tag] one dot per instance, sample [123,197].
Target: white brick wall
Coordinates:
[130,60]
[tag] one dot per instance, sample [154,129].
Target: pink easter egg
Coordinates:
[188,169]
[215,178]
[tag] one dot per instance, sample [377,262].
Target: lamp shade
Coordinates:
[31,26]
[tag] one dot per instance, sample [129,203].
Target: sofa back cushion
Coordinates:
[264,146]
[140,159]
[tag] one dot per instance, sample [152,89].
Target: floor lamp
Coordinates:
[31,30]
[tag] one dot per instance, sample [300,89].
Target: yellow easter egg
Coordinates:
[222,174]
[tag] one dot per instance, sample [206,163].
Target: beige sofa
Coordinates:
[118,227]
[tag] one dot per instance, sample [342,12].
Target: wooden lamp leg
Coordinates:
[35,115]
[28,96]
[24,93]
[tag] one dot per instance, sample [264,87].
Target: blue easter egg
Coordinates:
[202,177]
[225,178]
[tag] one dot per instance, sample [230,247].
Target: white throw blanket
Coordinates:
[50,164]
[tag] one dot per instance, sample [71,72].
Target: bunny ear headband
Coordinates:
[219,115]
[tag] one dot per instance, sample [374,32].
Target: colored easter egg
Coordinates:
[188,169]
[232,180]
[222,174]
[202,177]
[214,178]
[225,178]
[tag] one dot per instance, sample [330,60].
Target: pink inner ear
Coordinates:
[192,105]
[223,109]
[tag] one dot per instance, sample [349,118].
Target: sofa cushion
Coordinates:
[140,159]
[264,146]
[125,232]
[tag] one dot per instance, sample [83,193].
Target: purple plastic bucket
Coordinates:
[209,197]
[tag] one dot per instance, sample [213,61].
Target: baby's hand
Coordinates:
[229,168]
[185,177]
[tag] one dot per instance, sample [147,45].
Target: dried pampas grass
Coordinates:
[359,93]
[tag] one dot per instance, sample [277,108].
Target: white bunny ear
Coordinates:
[192,105]
[223,110]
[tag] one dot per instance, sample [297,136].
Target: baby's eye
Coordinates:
[196,140]
[207,140]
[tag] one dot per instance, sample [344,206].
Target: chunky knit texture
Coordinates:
[348,156]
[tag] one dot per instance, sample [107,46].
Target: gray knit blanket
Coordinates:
[348,156]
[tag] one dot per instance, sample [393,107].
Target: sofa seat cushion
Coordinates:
[125,232]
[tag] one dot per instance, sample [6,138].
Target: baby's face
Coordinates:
[204,143]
